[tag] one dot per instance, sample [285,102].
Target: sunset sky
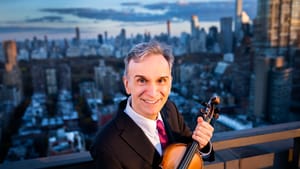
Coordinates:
[57,19]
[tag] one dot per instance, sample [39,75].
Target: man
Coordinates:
[131,140]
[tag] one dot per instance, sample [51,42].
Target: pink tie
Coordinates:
[162,134]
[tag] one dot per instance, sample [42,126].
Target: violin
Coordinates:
[181,156]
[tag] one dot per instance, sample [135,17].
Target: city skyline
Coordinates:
[52,91]
[57,19]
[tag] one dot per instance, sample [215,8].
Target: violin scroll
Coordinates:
[210,111]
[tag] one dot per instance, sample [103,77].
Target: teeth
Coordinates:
[150,101]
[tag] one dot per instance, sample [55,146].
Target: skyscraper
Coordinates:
[77,34]
[226,34]
[194,25]
[12,75]
[169,28]
[277,24]
[238,8]
[237,20]
[271,91]
[100,39]
[76,39]
[279,93]
[277,32]
[51,81]
[10,54]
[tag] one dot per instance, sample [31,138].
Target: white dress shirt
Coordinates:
[147,125]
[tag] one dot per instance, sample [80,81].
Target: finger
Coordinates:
[204,127]
[202,142]
[203,134]
[204,124]
[200,119]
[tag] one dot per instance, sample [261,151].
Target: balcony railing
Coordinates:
[276,146]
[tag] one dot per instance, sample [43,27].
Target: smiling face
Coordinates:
[148,81]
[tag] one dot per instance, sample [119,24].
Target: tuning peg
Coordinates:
[215,100]
[216,115]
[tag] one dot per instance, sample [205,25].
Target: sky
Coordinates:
[21,19]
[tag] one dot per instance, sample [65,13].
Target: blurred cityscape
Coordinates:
[56,94]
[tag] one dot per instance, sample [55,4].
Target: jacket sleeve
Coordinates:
[208,153]
[180,132]
[103,158]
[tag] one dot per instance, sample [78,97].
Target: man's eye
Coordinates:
[141,81]
[162,81]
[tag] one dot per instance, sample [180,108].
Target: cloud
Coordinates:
[106,14]
[130,4]
[206,11]
[46,19]
[14,29]
[137,15]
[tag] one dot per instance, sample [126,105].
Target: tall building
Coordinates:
[105,37]
[123,33]
[238,9]
[10,54]
[107,80]
[279,93]
[277,31]
[259,87]
[277,25]
[51,81]
[226,34]
[198,37]
[100,39]
[245,23]
[169,28]
[12,75]
[237,20]
[11,91]
[77,37]
[270,97]
[51,77]
[212,39]
[198,43]
[194,25]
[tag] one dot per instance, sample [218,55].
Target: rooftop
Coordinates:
[275,146]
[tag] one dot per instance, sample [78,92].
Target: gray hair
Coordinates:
[139,51]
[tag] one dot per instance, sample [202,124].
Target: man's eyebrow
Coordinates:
[141,76]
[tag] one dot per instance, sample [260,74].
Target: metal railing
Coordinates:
[274,146]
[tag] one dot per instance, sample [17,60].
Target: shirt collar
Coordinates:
[146,124]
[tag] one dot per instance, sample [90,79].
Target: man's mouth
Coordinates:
[151,101]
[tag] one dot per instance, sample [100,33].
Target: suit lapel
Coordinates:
[167,119]
[136,139]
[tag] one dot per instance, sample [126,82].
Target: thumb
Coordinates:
[200,119]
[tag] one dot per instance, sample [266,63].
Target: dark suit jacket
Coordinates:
[121,144]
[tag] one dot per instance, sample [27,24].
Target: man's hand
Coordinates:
[203,132]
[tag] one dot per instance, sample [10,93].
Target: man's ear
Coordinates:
[125,82]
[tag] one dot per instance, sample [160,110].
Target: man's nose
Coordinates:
[152,89]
